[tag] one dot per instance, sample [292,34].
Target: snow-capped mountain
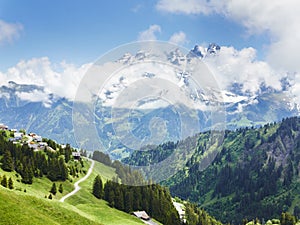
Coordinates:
[22,106]
[151,119]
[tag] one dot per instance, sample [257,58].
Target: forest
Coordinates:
[255,173]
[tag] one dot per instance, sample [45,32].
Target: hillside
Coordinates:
[81,208]
[21,208]
[254,174]
[35,173]
[30,174]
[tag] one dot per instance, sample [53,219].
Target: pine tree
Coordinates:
[27,175]
[60,188]
[68,153]
[128,204]
[10,183]
[63,169]
[53,189]
[119,198]
[4,181]
[98,187]
[50,196]
[54,170]
[7,161]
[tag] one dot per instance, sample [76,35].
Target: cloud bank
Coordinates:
[279,19]
[60,79]
[232,66]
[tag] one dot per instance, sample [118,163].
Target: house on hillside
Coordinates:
[3,127]
[42,145]
[32,134]
[142,215]
[33,145]
[76,155]
[18,135]
[37,138]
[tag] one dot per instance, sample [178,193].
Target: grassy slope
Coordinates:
[21,208]
[98,210]
[41,186]
[82,208]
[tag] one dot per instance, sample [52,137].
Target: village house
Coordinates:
[42,144]
[37,138]
[3,127]
[32,134]
[18,135]
[76,155]
[33,145]
[142,215]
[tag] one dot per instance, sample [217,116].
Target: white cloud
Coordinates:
[150,33]
[184,6]
[280,19]
[9,31]
[178,38]
[62,79]
[35,96]
[232,66]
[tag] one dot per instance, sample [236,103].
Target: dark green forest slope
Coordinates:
[255,173]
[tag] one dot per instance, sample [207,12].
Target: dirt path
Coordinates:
[76,185]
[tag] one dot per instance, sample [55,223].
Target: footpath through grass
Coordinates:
[28,204]
[96,209]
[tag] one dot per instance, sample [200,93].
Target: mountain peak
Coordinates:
[213,49]
[196,52]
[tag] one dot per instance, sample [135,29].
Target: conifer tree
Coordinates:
[4,181]
[119,198]
[27,175]
[10,183]
[53,189]
[98,187]
[68,153]
[63,169]
[50,196]
[7,161]
[60,188]
[128,204]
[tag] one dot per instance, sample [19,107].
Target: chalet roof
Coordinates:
[75,153]
[3,127]
[142,215]
[18,134]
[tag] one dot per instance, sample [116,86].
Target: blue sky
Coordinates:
[81,31]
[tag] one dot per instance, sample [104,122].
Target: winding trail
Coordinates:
[76,185]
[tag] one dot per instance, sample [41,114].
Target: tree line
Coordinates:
[154,199]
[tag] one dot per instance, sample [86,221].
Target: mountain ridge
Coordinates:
[33,108]
[255,172]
